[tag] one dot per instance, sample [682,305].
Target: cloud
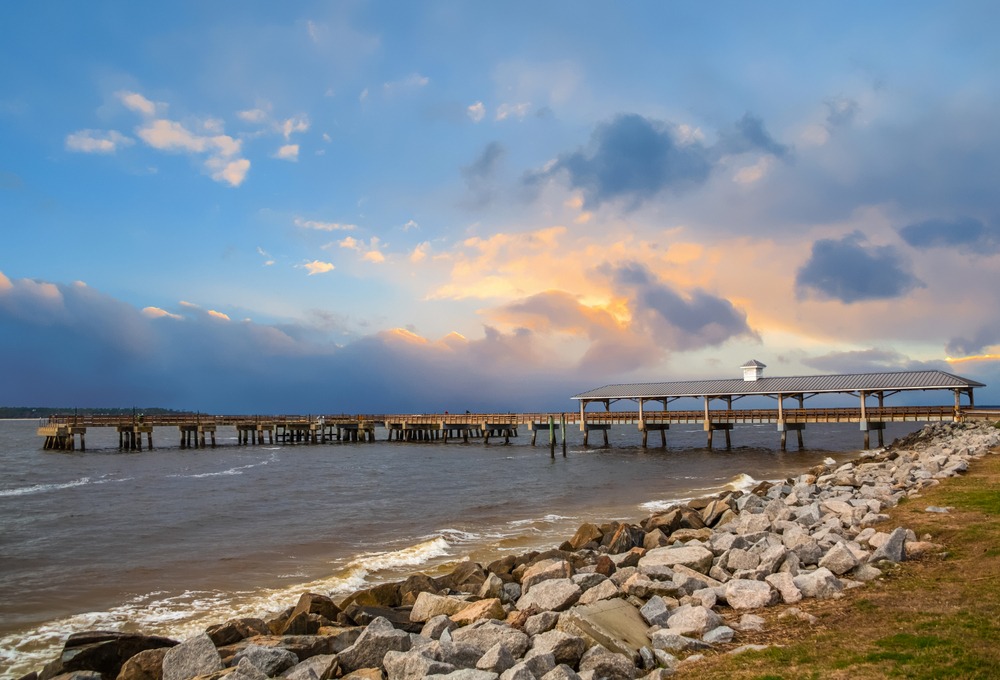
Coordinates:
[294,124]
[373,256]
[476,111]
[253,115]
[157,313]
[420,252]
[849,271]
[322,226]
[136,102]
[965,234]
[841,112]
[316,267]
[985,337]
[169,135]
[327,138]
[874,360]
[519,110]
[232,172]
[267,256]
[289,152]
[411,225]
[218,315]
[411,82]
[481,175]
[369,253]
[634,158]
[364,95]
[96,141]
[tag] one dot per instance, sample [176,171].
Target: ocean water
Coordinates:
[170,541]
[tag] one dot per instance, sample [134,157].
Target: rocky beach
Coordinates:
[616,600]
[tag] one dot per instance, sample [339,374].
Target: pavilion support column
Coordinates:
[708,422]
[864,419]
[583,422]
[729,407]
[642,423]
[958,405]
[802,405]
[881,397]
[972,401]
[781,421]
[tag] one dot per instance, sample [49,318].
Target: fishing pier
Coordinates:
[872,389]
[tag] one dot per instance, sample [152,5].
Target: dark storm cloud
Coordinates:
[634,158]
[874,360]
[966,234]
[987,335]
[850,271]
[481,175]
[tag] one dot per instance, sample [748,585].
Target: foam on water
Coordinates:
[231,471]
[40,488]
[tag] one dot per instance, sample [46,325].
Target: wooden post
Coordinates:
[605,437]
[802,405]
[784,439]
[562,432]
[213,439]
[586,436]
[583,405]
[201,437]
[83,441]
[881,417]
[708,422]
[958,404]
[663,438]
[972,401]
[729,406]
[645,433]
[534,432]
[552,437]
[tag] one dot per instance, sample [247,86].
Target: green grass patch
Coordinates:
[866,606]
[906,641]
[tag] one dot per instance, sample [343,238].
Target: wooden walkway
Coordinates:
[197,430]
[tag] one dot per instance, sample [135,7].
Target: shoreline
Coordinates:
[374,594]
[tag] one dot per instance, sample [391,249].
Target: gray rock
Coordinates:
[496,660]
[485,636]
[492,587]
[643,587]
[657,572]
[604,664]
[665,659]
[567,649]
[371,646]
[750,622]
[458,654]
[429,605]
[820,583]
[520,671]
[465,674]
[271,661]
[247,671]
[742,559]
[79,675]
[561,672]
[693,557]
[784,584]
[655,611]
[193,657]
[437,625]
[720,634]
[321,665]
[554,595]
[659,674]
[892,548]
[603,591]
[510,593]
[744,594]
[539,663]
[748,648]
[540,623]
[588,581]
[648,659]
[693,619]
[544,571]
[866,572]
[839,559]
[412,666]
[670,641]
[622,575]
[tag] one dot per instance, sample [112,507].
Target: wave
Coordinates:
[40,488]
[231,471]
[742,482]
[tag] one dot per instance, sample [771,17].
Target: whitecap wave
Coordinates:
[231,471]
[41,488]
[742,482]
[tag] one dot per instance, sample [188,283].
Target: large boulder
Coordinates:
[147,665]
[193,657]
[694,557]
[234,630]
[457,654]
[545,570]
[465,674]
[641,586]
[428,606]
[784,584]
[893,549]
[497,659]
[585,534]
[820,583]
[105,652]
[565,648]
[412,665]
[482,636]
[484,609]
[270,660]
[605,664]
[839,559]
[555,595]
[322,666]
[747,594]
[605,590]
[693,619]
[379,637]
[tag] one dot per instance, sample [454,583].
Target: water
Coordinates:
[169,541]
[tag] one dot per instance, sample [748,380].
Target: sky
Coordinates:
[366,207]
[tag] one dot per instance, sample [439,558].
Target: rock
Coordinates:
[720,634]
[484,609]
[146,665]
[589,580]
[605,567]
[742,559]
[302,646]
[399,618]
[866,572]
[385,595]
[561,672]
[553,595]
[892,549]
[623,574]
[492,587]
[79,675]
[745,594]
[694,557]
[419,583]
[544,571]
[693,619]
[606,664]
[621,541]
[655,611]
[783,583]
[748,648]
[750,622]
[685,535]
[659,674]
[458,654]
[465,674]
[670,641]
[496,660]
[366,674]
[377,639]
[413,666]
[323,666]
[667,522]
[271,661]
[468,572]
[820,583]
[567,649]
[484,636]
[315,603]
[605,591]
[244,670]
[654,539]
[234,630]
[518,672]
[193,657]
[839,559]
[665,659]
[428,606]
[914,549]
[614,624]
[643,587]
[105,652]
[540,623]
[539,663]
[437,625]
[585,534]
[511,592]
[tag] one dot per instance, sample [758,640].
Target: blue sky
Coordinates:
[393,206]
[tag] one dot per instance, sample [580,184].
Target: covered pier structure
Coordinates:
[864,386]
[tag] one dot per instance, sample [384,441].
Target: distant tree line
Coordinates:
[8,412]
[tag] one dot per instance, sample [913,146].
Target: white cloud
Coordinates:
[267,256]
[477,111]
[519,110]
[289,152]
[322,226]
[316,267]
[420,252]
[136,102]
[233,172]
[754,172]
[217,315]
[294,124]
[373,256]
[215,126]
[96,141]
[688,135]
[411,82]
[157,313]
[314,31]
[352,243]
[815,135]
[364,95]
[326,138]
[253,115]
[169,135]
[411,224]
[320,152]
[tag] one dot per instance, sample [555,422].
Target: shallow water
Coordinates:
[170,540]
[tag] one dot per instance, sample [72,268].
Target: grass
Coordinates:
[928,619]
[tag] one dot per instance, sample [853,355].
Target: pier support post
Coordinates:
[784,440]
[605,437]
[552,437]
[710,438]
[802,405]
[663,438]
[562,432]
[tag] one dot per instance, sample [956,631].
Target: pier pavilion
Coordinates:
[798,388]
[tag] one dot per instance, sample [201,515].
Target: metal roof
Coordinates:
[753,363]
[900,380]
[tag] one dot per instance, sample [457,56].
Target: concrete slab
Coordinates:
[615,624]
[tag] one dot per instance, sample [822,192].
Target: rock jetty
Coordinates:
[617,601]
